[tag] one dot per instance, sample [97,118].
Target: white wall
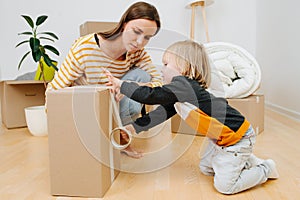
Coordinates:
[230,20]
[267,29]
[277,50]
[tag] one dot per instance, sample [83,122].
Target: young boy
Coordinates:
[228,157]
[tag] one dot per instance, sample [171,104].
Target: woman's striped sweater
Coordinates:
[85,62]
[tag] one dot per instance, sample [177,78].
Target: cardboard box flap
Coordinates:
[23,82]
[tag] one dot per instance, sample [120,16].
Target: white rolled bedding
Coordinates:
[235,72]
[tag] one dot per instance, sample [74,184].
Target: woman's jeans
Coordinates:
[130,109]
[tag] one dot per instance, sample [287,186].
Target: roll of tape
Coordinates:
[116,144]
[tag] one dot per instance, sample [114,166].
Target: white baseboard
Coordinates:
[284,111]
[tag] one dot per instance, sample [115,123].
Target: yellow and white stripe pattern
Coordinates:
[209,126]
[85,60]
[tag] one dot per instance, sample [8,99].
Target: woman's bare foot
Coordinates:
[132,153]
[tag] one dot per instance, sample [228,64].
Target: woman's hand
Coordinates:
[124,135]
[130,128]
[129,151]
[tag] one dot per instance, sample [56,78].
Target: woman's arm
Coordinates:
[69,71]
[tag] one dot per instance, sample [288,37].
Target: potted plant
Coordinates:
[46,66]
[35,116]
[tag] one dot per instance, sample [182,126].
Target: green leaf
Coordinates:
[25,41]
[36,55]
[49,62]
[48,33]
[54,66]
[21,61]
[45,38]
[25,33]
[42,49]
[40,20]
[51,48]
[34,44]
[29,20]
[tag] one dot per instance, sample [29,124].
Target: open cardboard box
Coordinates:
[17,95]
[251,107]
[82,161]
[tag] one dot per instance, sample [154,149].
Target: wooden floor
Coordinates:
[24,169]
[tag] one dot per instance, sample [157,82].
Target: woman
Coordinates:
[120,51]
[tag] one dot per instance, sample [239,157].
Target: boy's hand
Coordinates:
[115,83]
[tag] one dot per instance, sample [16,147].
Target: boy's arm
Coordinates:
[154,118]
[148,95]
[179,90]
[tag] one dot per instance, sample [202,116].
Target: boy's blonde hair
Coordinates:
[191,60]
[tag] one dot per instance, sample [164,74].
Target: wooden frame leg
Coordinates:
[192,23]
[205,23]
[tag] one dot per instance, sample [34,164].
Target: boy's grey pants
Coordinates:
[230,167]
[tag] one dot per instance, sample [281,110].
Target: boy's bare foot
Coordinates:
[273,173]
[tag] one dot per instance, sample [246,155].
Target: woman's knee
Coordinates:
[129,110]
[137,75]
[134,107]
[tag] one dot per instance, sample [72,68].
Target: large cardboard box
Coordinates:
[94,27]
[251,107]
[82,161]
[17,95]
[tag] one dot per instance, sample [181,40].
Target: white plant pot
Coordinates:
[36,120]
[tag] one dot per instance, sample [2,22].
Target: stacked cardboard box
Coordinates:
[94,27]
[253,108]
